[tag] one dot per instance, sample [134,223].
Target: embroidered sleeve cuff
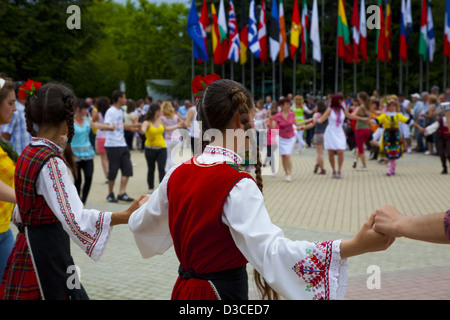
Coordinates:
[338,273]
[104,228]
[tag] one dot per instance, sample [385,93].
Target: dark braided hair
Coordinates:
[51,105]
[216,107]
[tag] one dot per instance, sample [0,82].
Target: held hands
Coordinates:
[122,217]
[366,240]
[388,220]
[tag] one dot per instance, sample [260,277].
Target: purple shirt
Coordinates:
[447,224]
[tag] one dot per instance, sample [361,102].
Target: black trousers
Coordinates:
[87,166]
[155,156]
[443,145]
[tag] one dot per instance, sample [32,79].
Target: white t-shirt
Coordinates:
[115,138]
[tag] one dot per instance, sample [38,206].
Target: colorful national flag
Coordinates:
[262,32]
[295,30]
[344,44]
[274,32]
[195,32]
[388,31]
[423,37]
[243,37]
[204,22]
[447,30]
[355,29]
[253,42]
[222,22]
[380,44]
[283,40]
[220,49]
[403,41]
[315,34]
[235,43]
[363,31]
[431,45]
[304,33]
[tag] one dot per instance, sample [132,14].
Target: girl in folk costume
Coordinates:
[391,145]
[50,212]
[214,215]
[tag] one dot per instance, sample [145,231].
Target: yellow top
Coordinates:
[7,169]
[391,122]
[154,136]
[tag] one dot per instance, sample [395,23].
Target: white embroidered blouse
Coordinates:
[295,269]
[88,228]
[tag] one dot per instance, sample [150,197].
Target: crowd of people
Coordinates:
[50,138]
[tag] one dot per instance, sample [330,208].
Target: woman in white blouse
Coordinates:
[294,269]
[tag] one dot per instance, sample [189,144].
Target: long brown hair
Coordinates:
[216,107]
[51,105]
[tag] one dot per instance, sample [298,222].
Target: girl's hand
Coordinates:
[366,240]
[122,217]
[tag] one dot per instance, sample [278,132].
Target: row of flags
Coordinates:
[229,42]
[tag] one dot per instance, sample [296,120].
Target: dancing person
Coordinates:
[116,148]
[434,228]
[271,140]
[334,139]
[362,129]
[98,116]
[50,213]
[130,119]
[155,144]
[285,119]
[83,149]
[260,121]
[298,108]
[8,159]
[171,122]
[214,215]
[16,130]
[319,129]
[391,145]
[405,129]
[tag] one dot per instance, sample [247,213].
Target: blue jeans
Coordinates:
[6,245]
[420,144]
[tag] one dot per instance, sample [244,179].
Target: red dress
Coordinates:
[203,244]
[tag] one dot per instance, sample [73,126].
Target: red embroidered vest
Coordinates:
[33,207]
[197,194]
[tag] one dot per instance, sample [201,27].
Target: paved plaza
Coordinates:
[311,207]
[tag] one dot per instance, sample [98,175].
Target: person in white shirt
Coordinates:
[117,149]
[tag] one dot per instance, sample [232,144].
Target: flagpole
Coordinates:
[421,75]
[400,78]
[294,72]
[252,84]
[281,78]
[378,75]
[354,78]
[314,81]
[262,82]
[428,75]
[273,81]
[336,67]
[192,68]
[231,70]
[407,78]
[342,75]
[444,84]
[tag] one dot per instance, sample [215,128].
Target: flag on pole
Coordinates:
[262,33]
[204,23]
[283,41]
[315,34]
[423,38]
[274,32]
[403,40]
[253,30]
[222,22]
[388,31]
[195,32]
[243,37]
[220,49]
[355,29]
[295,30]
[235,43]
[447,30]
[380,43]
[304,33]
[431,45]
[408,21]
[344,44]
[363,31]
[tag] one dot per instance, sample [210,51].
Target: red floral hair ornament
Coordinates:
[28,89]
[200,83]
